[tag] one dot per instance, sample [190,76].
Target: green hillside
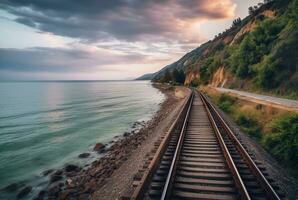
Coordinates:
[258,53]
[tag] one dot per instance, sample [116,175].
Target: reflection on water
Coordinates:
[45,124]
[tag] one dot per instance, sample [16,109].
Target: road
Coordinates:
[287,103]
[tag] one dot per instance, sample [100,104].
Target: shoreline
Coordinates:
[121,184]
[80,182]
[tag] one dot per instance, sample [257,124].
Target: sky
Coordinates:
[105,39]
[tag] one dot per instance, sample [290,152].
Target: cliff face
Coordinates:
[218,78]
[190,77]
[260,51]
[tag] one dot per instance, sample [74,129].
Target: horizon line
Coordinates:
[67,80]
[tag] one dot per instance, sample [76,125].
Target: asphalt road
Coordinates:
[275,100]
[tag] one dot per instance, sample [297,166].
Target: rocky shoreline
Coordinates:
[76,182]
[79,181]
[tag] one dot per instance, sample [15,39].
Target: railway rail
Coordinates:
[201,158]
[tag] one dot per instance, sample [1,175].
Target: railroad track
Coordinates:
[202,159]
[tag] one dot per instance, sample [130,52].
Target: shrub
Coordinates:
[225,98]
[225,103]
[249,125]
[225,106]
[195,82]
[204,74]
[283,141]
[267,73]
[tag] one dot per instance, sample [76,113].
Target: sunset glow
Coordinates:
[105,39]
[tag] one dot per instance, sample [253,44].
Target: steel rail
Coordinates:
[236,176]
[139,191]
[270,193]
[171,175]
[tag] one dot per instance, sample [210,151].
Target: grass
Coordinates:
[242,115]
[274,129]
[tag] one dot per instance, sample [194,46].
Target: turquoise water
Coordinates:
[44,125]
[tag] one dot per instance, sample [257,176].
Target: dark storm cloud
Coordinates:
[60,59]
[129,20]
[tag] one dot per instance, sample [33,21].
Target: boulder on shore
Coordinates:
[84,155]
[99,147]
[71,168]
[24,192]
[47,172]
[55,178]
[126,134]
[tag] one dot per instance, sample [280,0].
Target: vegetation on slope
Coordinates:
[260,51]
[283,140]
[276,130]
[176,77]
[260,54]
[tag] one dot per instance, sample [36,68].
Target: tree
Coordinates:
[236,22]
[181,77]
[178,76]
[167,77]
[267,1]
[251,10]
[245,58]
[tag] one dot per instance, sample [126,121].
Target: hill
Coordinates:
[146,76]
[257,53]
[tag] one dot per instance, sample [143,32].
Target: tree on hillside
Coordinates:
[251,10]
[178,76]
[236,22]
[267,1]
[167,77]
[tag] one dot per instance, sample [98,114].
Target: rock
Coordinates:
[24,192]
[84,155]
[58,172]
[126,134]
[138,176]
[11,187]
[83,196]
[91,187]
[55,178]
[124,198]
[64,194]
[99,147]
[47,172]
[71,174]
[71,168]
[69,181]
[41,195]
[54,191]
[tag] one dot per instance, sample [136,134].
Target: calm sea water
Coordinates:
[44,125]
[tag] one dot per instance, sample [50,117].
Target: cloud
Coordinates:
[109,37]
[70,63]
[125,20]
[62,59]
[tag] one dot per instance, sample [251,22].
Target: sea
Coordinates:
[46,124]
